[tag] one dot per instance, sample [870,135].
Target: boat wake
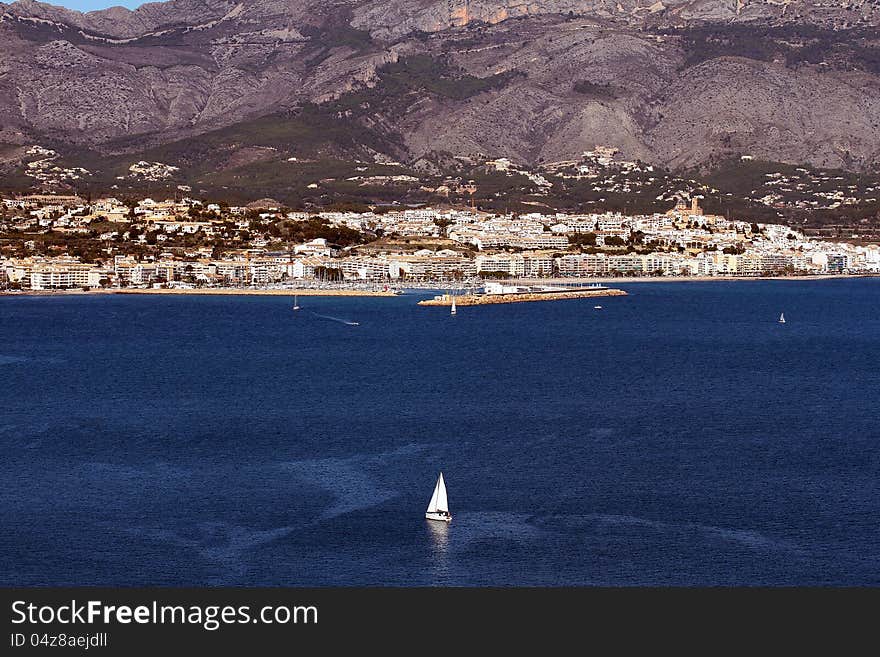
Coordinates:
[562,523]
[346,479]
[351,479]
[231,546]
[336,319]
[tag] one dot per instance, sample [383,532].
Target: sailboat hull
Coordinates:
[440,517]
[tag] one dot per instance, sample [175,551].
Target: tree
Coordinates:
[582,239]
[442,222]
[328,273]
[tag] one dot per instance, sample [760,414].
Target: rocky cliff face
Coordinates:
[676,82]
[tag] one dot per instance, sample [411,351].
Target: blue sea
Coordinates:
[678,436]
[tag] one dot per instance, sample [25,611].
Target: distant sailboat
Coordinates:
[782,318]
[295,304]
[453,311]
[438,507]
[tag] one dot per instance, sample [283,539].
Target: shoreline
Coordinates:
[227,291]
[232,291]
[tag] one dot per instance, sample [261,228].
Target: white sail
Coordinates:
[442,502]
[438,499]
[782,318]
[453,306]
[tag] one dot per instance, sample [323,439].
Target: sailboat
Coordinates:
[782,318]
[438,507]
[452,311]
[295,304]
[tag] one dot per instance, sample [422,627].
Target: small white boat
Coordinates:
[598,307]
[782,318]
[438,507]
[453,311]
[295,304]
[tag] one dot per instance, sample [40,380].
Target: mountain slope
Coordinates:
[677,83]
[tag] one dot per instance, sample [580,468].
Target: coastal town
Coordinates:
[55,242]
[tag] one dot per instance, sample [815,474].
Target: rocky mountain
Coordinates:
[678,83]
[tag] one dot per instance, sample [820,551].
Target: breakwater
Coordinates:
[518,297]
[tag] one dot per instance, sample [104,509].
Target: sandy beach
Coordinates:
[306,292]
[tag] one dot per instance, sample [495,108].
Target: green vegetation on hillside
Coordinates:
[596,90]
[399,80]
[748,179]
[303,231]
[794,43]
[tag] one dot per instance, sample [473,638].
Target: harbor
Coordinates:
[498,293]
